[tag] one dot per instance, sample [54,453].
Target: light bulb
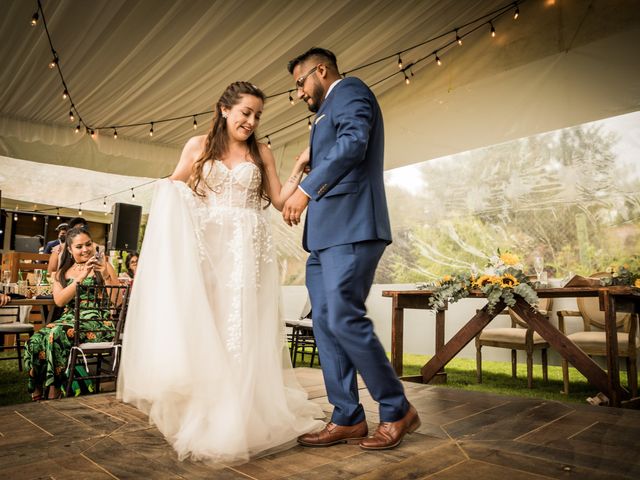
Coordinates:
[399,62]
[77,129]
[493,30]
[291,99]
[309,123]
[516,14]
[195,124]
[133,195]
[65,94]
[406,79]
[458,38]
[115,134]
[268,142]
[151,131]
[34,19]
[438,61]
[71,117]
[53,62]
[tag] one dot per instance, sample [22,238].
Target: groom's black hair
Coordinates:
[321,53]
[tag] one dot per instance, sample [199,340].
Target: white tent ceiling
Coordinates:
[128,61]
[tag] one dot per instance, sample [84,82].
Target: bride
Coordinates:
[204,351]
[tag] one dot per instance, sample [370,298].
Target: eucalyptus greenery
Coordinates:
[501,280]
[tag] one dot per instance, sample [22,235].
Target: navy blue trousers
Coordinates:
[339,279]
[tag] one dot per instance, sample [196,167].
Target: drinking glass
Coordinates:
[538,266]
[6,277]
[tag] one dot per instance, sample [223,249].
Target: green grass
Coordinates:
[13,384]
[461,373]
[496,378]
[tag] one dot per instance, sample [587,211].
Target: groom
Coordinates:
[346,232]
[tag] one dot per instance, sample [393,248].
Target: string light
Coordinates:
[80,209]
[57,214]
[115,134]
[65,94]
[34,218]
[268,141]
[133,195]
[512,7]
[15,217]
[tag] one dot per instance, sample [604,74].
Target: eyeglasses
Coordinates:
[300,81]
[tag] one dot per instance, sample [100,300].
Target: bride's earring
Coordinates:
[224,115]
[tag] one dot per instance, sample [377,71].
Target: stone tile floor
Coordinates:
[464,435]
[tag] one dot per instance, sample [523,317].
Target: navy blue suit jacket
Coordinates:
[346,182]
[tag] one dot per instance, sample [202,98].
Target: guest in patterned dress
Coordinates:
[47,351]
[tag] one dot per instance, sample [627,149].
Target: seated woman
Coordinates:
[130,267]
[47,351]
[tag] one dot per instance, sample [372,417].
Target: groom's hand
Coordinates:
[293,207]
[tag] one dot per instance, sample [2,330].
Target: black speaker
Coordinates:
[125,228]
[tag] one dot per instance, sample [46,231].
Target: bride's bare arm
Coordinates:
[190,153]
[277,192]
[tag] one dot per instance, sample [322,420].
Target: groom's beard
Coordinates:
[316,97]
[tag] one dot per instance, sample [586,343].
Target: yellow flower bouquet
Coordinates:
[626,273]
[501,280]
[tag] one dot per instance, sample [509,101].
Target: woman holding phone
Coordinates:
[47,351]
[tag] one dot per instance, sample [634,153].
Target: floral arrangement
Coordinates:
[628,273]
[501,280]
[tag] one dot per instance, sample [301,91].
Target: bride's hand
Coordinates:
[302,161]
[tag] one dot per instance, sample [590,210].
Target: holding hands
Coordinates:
[298,201]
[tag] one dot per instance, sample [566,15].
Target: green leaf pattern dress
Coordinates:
[47,351]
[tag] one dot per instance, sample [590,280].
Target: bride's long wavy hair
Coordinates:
[216,145]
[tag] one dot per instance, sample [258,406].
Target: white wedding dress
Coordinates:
[204,351]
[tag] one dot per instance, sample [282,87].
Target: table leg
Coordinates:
[458,342]
[611,338]
[441,376]
[397,337]
[565,347]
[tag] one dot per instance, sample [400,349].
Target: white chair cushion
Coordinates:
[96,345]
[305,322]
[510,335]
[16,327]
[595,341]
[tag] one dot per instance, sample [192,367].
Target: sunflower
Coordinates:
[509,258]
[637,283]
[487,279]
[446,278]
[508,281]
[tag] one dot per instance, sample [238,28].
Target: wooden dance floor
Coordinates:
[464,435]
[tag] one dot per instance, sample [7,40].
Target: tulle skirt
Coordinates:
[204,351]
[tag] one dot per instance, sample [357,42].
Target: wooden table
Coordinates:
[612,300]
[46,303]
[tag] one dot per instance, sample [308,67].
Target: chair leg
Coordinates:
[72,369]
[529,369]
[632,376]
[478,363]
[565,377]
[294,356]
[98,372]
[19,350]
[545,365]
[514,363]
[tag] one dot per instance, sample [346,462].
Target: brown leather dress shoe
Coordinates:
[333,434]
[390,434]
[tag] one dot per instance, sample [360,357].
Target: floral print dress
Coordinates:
[47,351]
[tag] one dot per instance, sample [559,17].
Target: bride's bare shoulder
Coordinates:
[196,144]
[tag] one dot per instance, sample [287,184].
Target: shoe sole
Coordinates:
[411,429]
[350,441]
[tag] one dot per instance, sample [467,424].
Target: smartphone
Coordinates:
[99,255]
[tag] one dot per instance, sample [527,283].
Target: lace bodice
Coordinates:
[237,187]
